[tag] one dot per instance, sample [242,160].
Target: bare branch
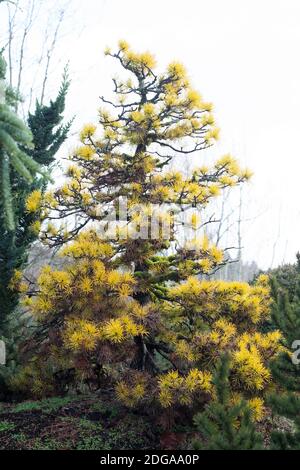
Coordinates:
[49,54]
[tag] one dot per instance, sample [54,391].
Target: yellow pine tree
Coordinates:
[130,306]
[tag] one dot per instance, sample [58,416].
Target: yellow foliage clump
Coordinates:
[85,152]
[135,61]
[250,369]
[119,329]
[81,334]
[217,317]
[177,70]
[87,131]
[130,395]
[245,303]
[174,387]
[34,200]
[256,405]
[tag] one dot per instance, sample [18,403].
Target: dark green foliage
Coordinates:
[48,135]
[224,426]
[14,329]
[45,124]
[285,370]
[287,405]
[284,279]
[15,143]
[286,317]
[6,426]
[287,277]
[286,308]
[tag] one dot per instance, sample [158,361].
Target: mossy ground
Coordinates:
[96,422]
[90,422]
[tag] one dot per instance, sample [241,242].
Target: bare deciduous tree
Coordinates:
[31,22]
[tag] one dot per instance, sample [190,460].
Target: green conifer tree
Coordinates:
[15,139]
[223,425]
[48,131]
[287,277]
[48,134]
[286,369]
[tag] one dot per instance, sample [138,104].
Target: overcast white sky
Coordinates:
[244,55]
